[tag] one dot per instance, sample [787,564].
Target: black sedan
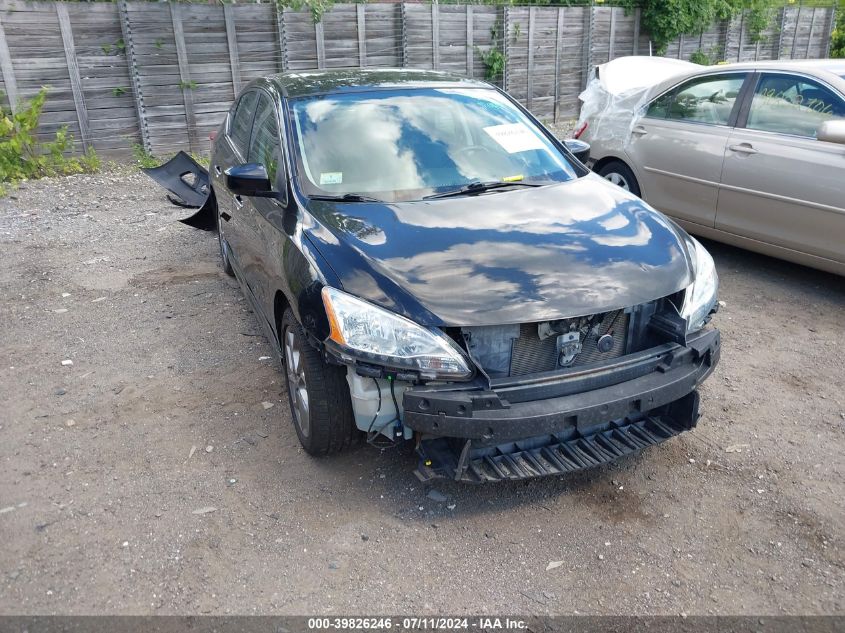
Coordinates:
[432,265]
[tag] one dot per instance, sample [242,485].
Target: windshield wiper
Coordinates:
[347,197]
[481,187]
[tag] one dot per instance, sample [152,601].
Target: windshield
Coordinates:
[410,143]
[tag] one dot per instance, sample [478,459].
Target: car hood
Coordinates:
[522,255]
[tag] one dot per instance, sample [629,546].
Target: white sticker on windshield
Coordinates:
[331,178]
[514,137]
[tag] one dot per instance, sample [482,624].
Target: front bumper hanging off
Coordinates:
[562,421]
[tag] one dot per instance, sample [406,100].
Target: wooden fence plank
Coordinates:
[321,44]
[470,46]
[73,73]
[232,44]
[558,49]
[8,70]
[435,35]
[810,36]
[532,20]
[184,74]
[362,35]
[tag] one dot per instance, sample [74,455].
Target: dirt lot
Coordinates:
[160,472]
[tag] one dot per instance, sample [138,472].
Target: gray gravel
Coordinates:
[150,477]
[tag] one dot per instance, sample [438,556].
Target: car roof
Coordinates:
[321,82]
[830,70]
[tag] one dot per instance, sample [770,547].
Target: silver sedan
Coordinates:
[750,154]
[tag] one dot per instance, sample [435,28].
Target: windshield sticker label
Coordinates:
[331,178]
[514,137]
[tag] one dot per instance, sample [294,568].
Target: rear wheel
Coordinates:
[318,394]
[620,175]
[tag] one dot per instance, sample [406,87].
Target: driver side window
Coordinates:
[788,104]
[265,146]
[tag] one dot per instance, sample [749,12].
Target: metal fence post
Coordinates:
[282,37]
[404,28]
[795,33]
[831,24]
[779,50]
[132,62]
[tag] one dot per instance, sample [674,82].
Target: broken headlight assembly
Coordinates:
[700,296]
[367,333]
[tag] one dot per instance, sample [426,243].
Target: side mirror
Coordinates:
[249,180]
[579,148]
[832,131]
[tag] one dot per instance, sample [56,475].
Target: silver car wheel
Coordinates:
[618,179]
[297,387]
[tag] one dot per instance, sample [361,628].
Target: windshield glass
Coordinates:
[407,144]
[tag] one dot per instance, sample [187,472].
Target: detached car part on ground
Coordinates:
[433,266]
[751,154]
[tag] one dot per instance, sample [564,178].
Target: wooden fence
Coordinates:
[162,74]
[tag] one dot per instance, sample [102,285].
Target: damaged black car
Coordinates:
[433,266]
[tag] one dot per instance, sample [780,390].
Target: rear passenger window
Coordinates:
[659,108]
[787,104]
[706,100]
[242,121]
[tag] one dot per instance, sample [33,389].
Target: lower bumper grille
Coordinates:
[552,455]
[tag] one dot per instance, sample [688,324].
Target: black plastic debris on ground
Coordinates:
[187,180]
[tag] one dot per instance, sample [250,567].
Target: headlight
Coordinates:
[375,335]
[700,296]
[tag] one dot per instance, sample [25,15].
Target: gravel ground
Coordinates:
[160,472]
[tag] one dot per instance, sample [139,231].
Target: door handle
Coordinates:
[639,130]
[239,202]
[217,170]
[743,148]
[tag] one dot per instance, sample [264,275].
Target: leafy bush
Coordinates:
[23,156]
[665,20]
[837,38]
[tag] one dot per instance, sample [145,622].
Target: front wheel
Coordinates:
[318,394]
[620,175]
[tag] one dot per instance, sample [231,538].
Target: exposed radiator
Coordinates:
[530,355]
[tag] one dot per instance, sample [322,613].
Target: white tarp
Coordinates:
[618,89]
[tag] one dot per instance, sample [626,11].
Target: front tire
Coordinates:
[620,175]
[225,264]
[318,394]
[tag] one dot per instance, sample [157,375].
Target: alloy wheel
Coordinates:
[618,179]
[297,386]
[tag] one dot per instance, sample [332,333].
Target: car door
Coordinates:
[780,184]
[678,145]
[262,215]
[232,151]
